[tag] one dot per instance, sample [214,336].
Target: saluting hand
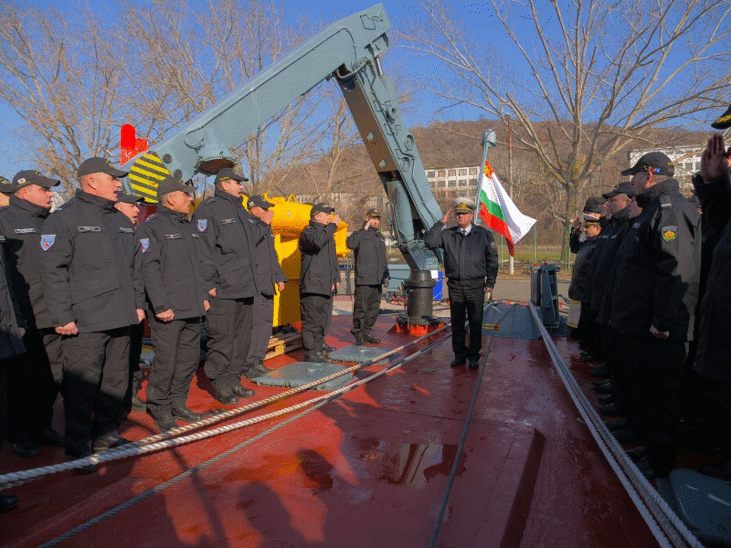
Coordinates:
[268,216]
[715,160]
[335,220]
[280,286]
[447,215]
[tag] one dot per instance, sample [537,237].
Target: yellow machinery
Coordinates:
[290,219]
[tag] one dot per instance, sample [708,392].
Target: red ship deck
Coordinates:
[368,469]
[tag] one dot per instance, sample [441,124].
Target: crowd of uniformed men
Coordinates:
[77,283]
[652,274]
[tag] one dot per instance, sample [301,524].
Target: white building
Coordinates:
[448,183]
[687,161]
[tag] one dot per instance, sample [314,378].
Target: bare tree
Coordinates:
[55,77]
[582,79]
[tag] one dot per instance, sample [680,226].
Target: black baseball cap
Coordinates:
[6,186]
[594,205]
[32,177]
[99,165]
[172,184]
[324,208]
[723,121]
[373,212]
[126,198]
[229,173]
[653,162]
[621,188]
[259,201]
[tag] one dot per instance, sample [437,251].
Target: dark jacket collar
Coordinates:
[654,192]
[98,201]
[32,209]
[236,200]
[177,215]
[621,216]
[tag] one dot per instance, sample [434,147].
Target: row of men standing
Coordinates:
[640,275]
[84,277]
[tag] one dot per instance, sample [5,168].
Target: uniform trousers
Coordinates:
[136,333]
[466,298]
[316,311]
[656,368]
[228,328]
[34,384]
[95,378]
[262,330]
[366,307]
[177,355]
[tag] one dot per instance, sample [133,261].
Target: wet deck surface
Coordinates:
[369,469]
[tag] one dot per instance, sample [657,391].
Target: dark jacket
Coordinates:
[713,358]
[612,237]
[468,257]
[228,235]
[11,343]
[268,268]
[371,266]
[657,282]
[87,266]
[584,252]
[20,224]
[624,235]
[167,257]
[319,270]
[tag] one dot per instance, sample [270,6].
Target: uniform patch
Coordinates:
[202,225]
[89,228]
[25,230]
[126,229]
[669,233]
[172,236]
[145,244]
[228,221]
[47,241]
[2,238]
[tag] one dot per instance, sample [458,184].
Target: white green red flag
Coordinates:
[498,211]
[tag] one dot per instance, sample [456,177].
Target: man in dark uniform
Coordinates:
[584,251]
[87,276]
[129,206]
[271,276]
[319,279]
[713,358]
[11,352]
[371,272]
[34,386]
[470,265]
[167,257]
[227,237]
[6,189]
[655,299]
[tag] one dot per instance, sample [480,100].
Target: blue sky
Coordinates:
[12,153]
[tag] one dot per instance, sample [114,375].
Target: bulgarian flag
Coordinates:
[498,211]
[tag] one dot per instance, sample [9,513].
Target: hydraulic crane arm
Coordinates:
[348,50]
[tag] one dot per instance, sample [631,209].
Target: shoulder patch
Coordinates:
[202,225]
[669,233]
[47,241]
[665,202]
[145,244]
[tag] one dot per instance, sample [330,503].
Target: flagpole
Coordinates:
[488,141]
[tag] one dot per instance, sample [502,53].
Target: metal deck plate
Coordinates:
[299,373]
[704,505]
[359,354]
[514,321]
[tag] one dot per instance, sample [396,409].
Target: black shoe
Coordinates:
[637,454]
[138,404]
[600,382]
[185,414]
[327,349]
[721,470]
[604,388]
[227,398]
[627,436]
[612,410]
[474,364]
[252,373]
[359,341]
[591,358]
[166,423]
[109,441]
[606,398]
[26,448]
[315,357]
[242,392]
[8,502]
[87,468]
[613,426]
[602,371]
[371,340]
[458,362]
[645,469]
[48,437]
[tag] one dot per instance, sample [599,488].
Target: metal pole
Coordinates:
[511,261]
[488,141]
